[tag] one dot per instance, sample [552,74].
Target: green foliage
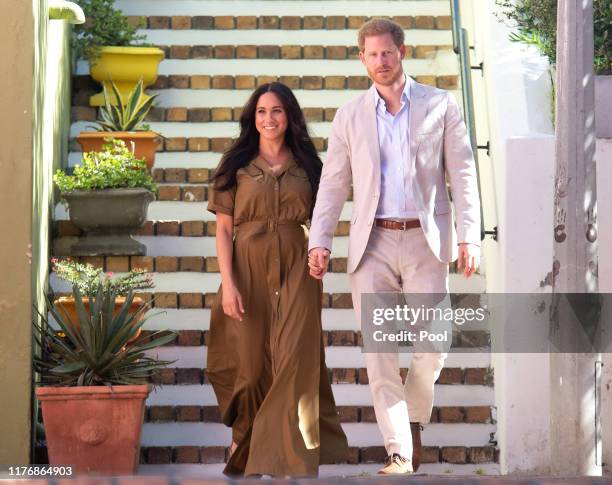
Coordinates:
[535,22]
[87,278]
[115,167]
[602,18]
[125,116]
[104,26]
[94,350]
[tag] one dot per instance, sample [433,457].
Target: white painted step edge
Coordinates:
[287,8]
[358,434]
[344,395]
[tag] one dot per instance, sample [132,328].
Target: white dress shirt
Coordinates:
[396,197]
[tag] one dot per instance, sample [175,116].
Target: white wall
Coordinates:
[516,89]
[518,109]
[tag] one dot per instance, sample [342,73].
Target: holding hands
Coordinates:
[318,260]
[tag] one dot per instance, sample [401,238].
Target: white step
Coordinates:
[171,159]
[183,211]
[335,358]
[199,319]
[445,63]
[192,282]
[279,37]
[368,470]
[205,246]
[286,7]
[358,434]
[227,129]
[344,395]
[220,98]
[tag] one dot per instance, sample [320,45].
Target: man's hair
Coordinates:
[380,27]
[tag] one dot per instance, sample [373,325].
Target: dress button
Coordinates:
[276,293]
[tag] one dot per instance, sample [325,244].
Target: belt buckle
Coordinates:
[272,225]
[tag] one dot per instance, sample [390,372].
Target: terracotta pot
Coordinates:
[96,429]
[68,306]
[143,144]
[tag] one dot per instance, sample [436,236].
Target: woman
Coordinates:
[266,360]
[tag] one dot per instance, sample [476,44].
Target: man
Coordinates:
[399,144]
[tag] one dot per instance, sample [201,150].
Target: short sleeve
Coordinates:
[221,201]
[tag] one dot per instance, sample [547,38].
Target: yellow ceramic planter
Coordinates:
[124,66]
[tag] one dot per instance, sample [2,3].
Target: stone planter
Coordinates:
[96,429]
[108,217]
[603,102]
[143,144]
[124,66]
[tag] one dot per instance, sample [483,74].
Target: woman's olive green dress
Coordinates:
[268,371]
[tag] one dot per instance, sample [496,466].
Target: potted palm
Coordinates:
[114,49]
[107,196]
[89,278]
[92,382]
[124,121]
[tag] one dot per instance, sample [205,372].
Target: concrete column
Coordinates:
[573,433]
[16,52]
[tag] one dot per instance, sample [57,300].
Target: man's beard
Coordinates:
[389,80]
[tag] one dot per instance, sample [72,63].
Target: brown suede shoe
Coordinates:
[415,430]
[396,465]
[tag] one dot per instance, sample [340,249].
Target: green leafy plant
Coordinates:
[115,167]
[535,22]
[87,278]
[104,26]
[125,116]
[95,350]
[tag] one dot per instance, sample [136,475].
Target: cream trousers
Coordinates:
[400,261]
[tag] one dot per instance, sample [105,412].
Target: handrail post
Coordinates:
[461,47]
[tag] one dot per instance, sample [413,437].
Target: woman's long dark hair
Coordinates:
[246,147]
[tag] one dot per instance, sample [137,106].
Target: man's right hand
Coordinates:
[318,260]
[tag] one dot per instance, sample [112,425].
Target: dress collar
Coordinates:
[261,163]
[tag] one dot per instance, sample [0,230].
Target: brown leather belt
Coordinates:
[397,225]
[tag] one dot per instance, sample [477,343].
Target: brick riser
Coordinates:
[208,455]
[291,22]
[288,52]
[371,454]
[205,300]
[348,414]
[449,376]
[169,264]
[464,339]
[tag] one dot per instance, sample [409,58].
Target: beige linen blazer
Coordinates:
[440,152]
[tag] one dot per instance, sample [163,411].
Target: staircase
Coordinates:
[217,52]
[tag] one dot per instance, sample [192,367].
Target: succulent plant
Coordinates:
[96,349]
[128,115]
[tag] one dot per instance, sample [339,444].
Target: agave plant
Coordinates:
[125,116]
[95,351]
